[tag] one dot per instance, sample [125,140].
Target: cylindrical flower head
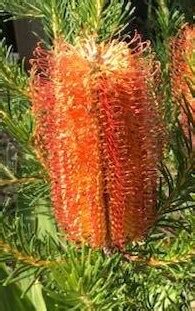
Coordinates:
[99,134]
[183,71]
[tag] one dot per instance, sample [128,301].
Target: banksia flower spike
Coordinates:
[99,134]
[183,73]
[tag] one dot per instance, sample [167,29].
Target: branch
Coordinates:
[18,181]
[155,262]
[7,171]
[164,10]
[24,258]
[36,262]
[14,180]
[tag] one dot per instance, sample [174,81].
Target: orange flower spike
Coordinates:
[183,54]
[67,134]
[129,123]
[99,133]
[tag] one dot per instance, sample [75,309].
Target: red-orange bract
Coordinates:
[99,134]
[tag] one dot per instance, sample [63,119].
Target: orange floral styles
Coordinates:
[183,71]
[99,134]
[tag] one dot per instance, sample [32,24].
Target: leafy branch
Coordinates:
[12,75]
[165,20]
[70,18]
[21,9]
[74,275]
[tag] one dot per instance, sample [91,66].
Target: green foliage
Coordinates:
[157,272]
[90,281]
[169,19]
[178,186]
[12,76]
[70,18]
[165,19]
[37,263]
[12,294]
[100,17]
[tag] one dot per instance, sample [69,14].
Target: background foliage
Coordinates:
[39,270]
